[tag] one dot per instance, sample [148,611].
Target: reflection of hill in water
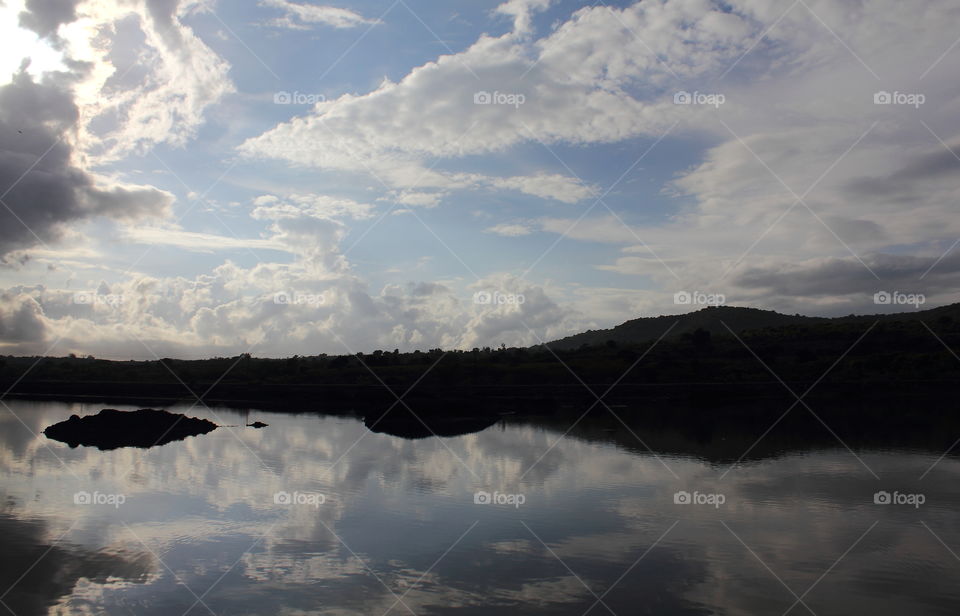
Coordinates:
[401,422]
[55,568]
[708,423]
[722,433]
[714,430]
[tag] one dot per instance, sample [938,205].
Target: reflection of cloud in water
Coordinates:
[57,567]
[399,504]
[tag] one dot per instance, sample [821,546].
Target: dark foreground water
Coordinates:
[317,515]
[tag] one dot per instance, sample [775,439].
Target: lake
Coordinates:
[316,514]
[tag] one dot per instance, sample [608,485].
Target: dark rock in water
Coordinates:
[110,429]
[257,424]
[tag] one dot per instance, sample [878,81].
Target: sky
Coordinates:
[191,178]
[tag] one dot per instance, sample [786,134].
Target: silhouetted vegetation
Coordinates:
[908,348]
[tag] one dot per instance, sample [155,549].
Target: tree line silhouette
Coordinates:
[710,346]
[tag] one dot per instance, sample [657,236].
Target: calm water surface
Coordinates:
[203,525]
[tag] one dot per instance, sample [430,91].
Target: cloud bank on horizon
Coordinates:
[193,178]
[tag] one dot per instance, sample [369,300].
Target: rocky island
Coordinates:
[111,429]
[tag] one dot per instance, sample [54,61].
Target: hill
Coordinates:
[911,351]
[739,319]
[645,329]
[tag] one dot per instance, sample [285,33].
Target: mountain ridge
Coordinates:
[717,320]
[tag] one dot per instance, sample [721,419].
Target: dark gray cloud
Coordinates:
[41,188]
[21,320]
[162,14]
[45,16]
[911,178]
[421,289]
[847,276]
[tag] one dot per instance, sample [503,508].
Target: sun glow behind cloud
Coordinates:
[20,44]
